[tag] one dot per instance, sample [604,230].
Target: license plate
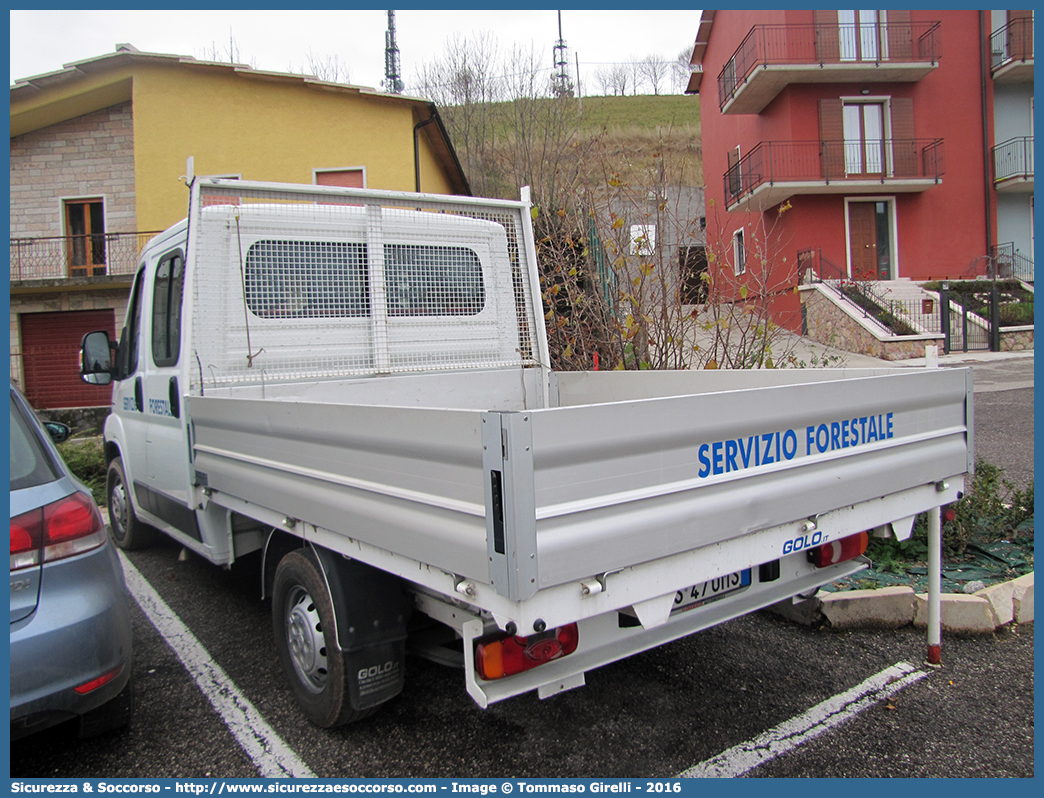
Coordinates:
[698,595]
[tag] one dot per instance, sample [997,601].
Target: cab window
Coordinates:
[166,310]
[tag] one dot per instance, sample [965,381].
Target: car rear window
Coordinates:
[31,463]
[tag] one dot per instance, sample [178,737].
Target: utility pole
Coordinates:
[392,72]
[561,84]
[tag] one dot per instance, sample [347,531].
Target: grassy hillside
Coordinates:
[633,138]
[644,112]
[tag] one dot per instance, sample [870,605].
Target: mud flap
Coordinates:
[370,611]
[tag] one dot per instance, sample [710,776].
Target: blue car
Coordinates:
[70,618]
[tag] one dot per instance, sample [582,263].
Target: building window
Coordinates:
[345,178]
[860,35]
[85,232]
[643,239]
[864,132]
[739,252]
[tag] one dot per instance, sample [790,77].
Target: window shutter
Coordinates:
[904,146]
[828,36]
[831,138]
[1020,35]
[733,176]
[899,35]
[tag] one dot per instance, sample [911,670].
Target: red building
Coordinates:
[874,130]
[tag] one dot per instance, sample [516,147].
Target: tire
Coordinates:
[114,714]
[303,625]
[128,532]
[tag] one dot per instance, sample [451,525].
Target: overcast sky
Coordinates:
[42,41]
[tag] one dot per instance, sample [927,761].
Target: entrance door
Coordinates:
[869,233]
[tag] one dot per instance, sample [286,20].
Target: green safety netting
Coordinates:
[988,563]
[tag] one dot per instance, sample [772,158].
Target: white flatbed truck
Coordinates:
[356,383]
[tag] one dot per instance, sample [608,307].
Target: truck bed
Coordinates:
[623,468]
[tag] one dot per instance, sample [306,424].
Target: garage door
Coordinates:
[51,358]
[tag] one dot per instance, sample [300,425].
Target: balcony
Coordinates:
[1013,165]
[1011,52]
[775,170]
[76,257]
[772,57]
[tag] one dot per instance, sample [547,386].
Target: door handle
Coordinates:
[173,394]
[139,396]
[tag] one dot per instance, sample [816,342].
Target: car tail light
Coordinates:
[839,550]
[506,655]
[26,534]
[94,684]
[62,529]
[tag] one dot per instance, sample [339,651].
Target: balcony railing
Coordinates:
[828,163]
[1006,262]
[76,256]
[1013,159]
[821,44]
[1013,42]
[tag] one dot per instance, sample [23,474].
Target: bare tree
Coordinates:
[605,80]
[654,70]
[615,79]
[635,73]
[466,83]
[329,69]
[228,52]
[615,281]
[681,69]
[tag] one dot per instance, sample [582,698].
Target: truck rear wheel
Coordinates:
[304,628]
[127,530]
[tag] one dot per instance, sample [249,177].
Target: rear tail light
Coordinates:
[62,529]
[506,655]
[94,684]
[839,550]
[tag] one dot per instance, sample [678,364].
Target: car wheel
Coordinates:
[303,624]
[114,714]
[127,530]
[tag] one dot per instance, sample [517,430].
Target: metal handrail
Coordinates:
[832,161]
[1013,158]
[817,43]
[1012,42]
[48,257]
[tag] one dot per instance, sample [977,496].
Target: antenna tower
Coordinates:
[561,85]
[392,72]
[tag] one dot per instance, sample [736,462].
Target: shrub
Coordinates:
[992,509]
[1016,314]
[86,459]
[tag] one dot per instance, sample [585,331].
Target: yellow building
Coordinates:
[98,154]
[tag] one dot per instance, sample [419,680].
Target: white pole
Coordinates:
[934,586]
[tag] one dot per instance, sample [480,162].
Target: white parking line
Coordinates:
[789,735]
[273,757]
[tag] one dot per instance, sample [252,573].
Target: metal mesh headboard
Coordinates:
[302,282]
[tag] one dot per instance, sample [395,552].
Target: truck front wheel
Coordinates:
[303,625]
[127,530]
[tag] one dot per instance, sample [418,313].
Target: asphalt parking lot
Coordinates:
[656,715]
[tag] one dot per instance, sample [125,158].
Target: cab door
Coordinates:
[167,456]
[128,403]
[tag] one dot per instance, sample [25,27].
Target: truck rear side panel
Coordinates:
[593,488]
[625,482]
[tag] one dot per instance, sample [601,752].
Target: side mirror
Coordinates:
[58,431]
[96,358]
